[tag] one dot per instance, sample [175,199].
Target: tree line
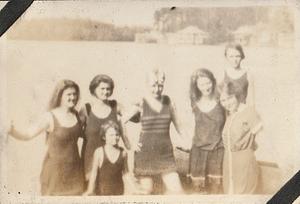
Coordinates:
[72,29]
[218,22]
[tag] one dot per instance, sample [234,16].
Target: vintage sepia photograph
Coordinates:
[164,102]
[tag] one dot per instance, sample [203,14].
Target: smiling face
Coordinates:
[205,86]
[112,136]
[234,57]
[103,91]
[229,102]
[69,98]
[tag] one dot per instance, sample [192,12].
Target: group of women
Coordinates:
[221,155]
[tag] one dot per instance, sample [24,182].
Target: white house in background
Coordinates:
[189,35]
[244,34]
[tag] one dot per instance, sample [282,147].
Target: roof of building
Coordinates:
[192,30]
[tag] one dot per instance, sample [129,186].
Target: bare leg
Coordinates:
[172,183]
[146,185]
[199,186]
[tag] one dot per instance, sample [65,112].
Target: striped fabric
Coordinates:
[156,155]
[156,123]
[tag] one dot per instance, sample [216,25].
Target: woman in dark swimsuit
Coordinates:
[94,114]
[237,75]
[207,151]
[109,162]
[62,171]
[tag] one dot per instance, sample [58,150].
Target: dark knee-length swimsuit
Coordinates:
[207,151]
[62,171]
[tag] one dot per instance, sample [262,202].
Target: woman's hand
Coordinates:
[186,143]
[131,178]
[137,147]
[245,142]
[183,149]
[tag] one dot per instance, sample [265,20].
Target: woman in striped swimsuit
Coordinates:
[155,155]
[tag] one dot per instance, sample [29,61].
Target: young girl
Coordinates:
[237,75]
[108,164]
[207,151]
[240,170]
[62,172]
[155,155]
[100,110]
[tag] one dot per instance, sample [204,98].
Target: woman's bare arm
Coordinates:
[97,162]
[120,110]
[129,162]
[178,126]
[135,109]
[44,124]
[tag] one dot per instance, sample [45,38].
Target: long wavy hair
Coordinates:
[195,93]
[61,86]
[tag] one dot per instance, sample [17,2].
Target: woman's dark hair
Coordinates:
[195,93]
[235,46]
[61,86]
[107,125]
[98,79]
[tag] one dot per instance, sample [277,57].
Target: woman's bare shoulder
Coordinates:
[98,152]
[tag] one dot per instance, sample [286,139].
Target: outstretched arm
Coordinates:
[44,124]
[133,111]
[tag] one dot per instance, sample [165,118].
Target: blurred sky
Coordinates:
[125,12]
[117,13]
